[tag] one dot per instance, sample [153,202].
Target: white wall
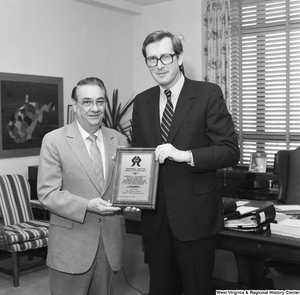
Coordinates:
[65,39]
[73,40]
[182,17]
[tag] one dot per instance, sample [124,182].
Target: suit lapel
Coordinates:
[184,104]
[110,151]
[153,113]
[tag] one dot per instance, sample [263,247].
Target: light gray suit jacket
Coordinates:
[66,183]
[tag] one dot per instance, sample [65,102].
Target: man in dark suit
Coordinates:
[195,139]
[86,234]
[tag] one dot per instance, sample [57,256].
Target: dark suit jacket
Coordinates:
[191,195]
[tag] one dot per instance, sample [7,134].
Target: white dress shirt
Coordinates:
[176,89]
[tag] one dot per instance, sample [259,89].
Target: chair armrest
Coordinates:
[1,220]
[2,231]
[39,210]
[37,204]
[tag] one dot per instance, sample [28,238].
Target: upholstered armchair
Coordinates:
[288,170]
[287,167]
[19,231]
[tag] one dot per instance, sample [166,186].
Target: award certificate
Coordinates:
[136,176]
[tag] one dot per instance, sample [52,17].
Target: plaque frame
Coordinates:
[128,178]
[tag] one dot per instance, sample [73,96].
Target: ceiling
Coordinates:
[131,7]
[147,2]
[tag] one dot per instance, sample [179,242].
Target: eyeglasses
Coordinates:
[89,103]
[165,59]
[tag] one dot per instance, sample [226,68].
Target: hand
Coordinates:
[132,209]
[101,206]
[115,155]
[168,151]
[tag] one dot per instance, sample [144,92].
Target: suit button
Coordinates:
[99,220]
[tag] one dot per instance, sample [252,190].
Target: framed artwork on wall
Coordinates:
[258,163]
[31,106]
[71,114]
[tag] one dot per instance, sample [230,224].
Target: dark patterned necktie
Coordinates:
[96,159]
[167,117]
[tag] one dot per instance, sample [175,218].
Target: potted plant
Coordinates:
[114,115]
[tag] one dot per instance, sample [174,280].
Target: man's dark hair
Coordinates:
[89,81]
[159,35]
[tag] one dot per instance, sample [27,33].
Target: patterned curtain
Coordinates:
[217,44]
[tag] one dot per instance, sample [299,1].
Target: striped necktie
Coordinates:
[96,159]
[167,117]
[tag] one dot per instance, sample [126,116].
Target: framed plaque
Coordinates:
[136,176]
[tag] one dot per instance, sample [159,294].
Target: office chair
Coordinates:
[19,231]
[287,167]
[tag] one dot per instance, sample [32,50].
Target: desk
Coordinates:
[262,194]
[252,249]
[232,183]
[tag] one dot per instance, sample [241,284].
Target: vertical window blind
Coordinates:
[265,75]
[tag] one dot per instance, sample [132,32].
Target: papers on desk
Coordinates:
[240,211]
[244,222]
[255,229]
[232,206]
[286,225]
[288,209]
[250,218]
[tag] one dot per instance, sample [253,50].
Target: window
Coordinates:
[265,75]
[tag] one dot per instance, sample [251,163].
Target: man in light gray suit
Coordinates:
[86,235]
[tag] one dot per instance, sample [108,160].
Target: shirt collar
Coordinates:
[176,88]
[85,134]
